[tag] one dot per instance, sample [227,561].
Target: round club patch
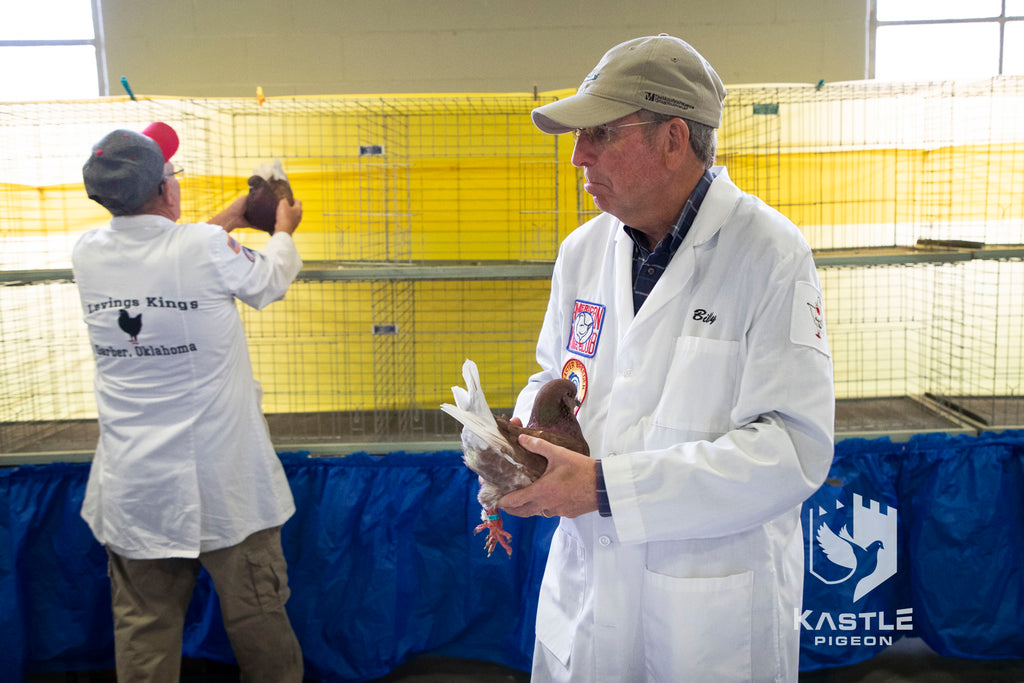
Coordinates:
[576,372]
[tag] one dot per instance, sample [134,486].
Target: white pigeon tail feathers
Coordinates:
[481,435]
[270,170]
[472,399]
[480,430]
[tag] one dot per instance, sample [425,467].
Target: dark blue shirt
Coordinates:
[649,265]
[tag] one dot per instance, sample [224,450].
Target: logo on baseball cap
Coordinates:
[659,73]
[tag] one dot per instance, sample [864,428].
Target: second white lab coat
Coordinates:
[184,462]
[712,410]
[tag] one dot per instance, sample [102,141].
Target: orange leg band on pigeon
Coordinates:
[496,534]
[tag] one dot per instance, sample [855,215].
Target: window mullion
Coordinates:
[101,48]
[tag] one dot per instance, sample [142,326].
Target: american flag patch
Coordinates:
[807,323]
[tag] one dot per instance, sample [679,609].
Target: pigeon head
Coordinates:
[555,406]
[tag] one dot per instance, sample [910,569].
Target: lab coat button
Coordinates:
[605,541]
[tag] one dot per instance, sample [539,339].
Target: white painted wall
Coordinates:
[226,48]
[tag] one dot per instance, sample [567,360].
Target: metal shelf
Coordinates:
[540,270]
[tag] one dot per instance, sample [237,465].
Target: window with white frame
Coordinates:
[945,39]
[51,49]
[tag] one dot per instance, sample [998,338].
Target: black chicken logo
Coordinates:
[130,325]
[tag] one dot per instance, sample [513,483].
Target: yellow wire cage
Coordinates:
[431,223]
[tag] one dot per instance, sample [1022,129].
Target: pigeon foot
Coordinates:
[496,534]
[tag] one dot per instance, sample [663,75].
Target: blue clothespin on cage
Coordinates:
[128,88]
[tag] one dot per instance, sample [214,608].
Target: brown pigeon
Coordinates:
[268,185]
[490,446]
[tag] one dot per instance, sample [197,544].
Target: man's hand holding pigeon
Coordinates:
[568,487]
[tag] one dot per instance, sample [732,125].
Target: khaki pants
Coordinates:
[150,598]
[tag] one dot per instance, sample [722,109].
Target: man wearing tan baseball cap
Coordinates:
[689,315]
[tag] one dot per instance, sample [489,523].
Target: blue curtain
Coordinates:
[952,508]
[383,563]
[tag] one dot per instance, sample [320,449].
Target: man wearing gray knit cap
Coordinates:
[184,475]
[690,317]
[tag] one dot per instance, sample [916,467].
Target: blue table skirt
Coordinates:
[949,515]
[383,564]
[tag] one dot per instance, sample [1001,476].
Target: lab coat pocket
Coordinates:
[700,386]
[698,629]
[561,595]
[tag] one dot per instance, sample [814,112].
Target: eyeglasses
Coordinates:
[175,171]
[602,135]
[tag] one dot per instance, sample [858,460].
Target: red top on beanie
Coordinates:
[164,136]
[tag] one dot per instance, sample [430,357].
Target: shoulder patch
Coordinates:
[807,322]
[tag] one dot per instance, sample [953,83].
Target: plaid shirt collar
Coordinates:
[649,265]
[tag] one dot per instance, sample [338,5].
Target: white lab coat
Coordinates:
[712,410]
[184,462]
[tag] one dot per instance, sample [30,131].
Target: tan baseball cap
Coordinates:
[658,73]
